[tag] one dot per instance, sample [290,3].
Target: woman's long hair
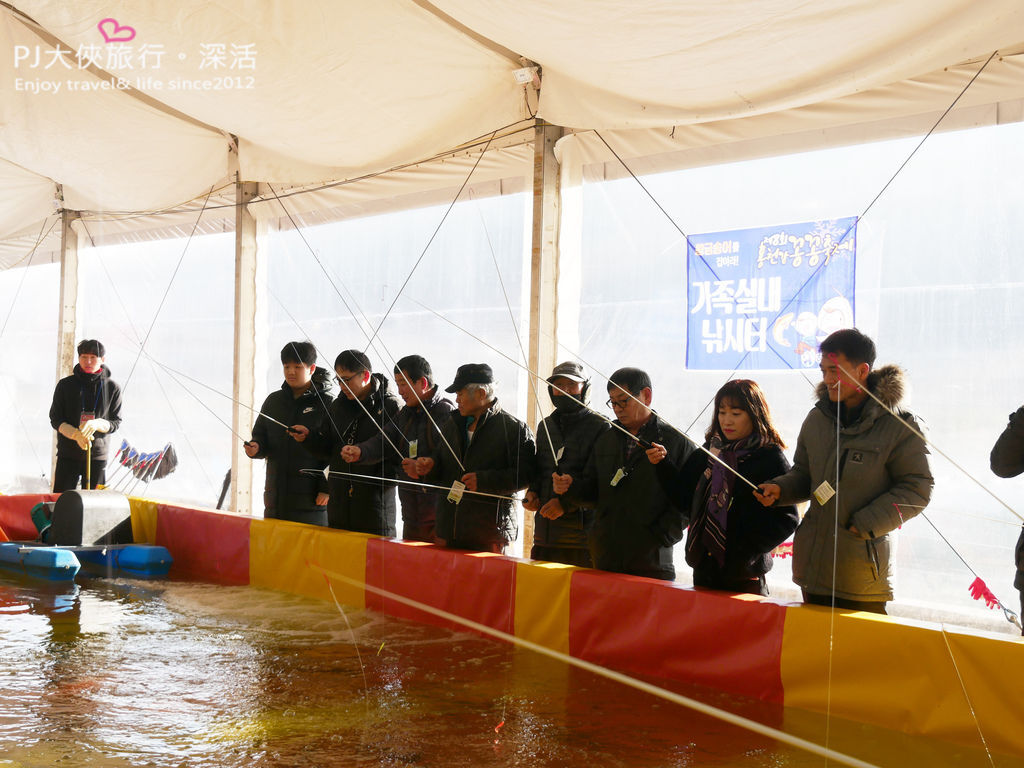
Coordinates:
[747,396]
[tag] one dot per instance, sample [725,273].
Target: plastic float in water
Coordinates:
[86,532]
[50,563]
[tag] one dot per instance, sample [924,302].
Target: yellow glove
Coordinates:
[92,426]
[72,433]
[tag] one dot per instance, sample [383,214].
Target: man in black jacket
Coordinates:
[86,408]
[304,397]
[416,430]
[355,424]
[492,456]
[565,440]
[1007,460]
[636,524]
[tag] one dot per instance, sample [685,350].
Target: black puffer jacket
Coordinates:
[502,453]
[287,487]
[572,435]
[753,530]
[80,393]
[413,424]
[359,504]
[636,523]
[1007,460]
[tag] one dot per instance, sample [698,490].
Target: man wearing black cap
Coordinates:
[491,452]
[565,440]
[86,408]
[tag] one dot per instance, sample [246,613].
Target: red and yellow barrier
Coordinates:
[908,676]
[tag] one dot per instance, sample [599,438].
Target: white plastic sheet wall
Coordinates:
[939,286]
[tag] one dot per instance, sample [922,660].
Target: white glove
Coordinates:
[92,426]
[72,433]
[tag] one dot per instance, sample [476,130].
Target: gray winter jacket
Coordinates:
[884,480]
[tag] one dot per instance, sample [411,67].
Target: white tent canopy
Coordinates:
[330,90]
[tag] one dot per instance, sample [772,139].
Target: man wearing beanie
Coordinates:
[565,440]
[86,409]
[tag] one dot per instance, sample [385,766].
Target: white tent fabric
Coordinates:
[328,90]
[652,63]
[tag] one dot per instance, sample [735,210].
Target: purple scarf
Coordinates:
[720,483]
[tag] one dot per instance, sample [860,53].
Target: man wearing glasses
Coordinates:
[636,523]
[354,426]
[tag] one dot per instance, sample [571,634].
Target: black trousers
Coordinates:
[850,605]
[579,556]
[709,575]
[68,472]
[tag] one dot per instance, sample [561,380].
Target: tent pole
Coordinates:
[67,325]
[244,380]
[543,278]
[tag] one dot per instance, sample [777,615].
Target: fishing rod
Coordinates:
[287,427]
[1008,614]
[927,442]
[835,246]
[641,442]
[432,236]
[515,326]
[378,480]
[370,343]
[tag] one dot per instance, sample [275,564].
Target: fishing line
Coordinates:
[1008,614]
[610,674]
[835,566]
[300,233]
[839,242]
[967,698]
[380,340]
[431,240]
[163,390]
[528,370]
[930,444]
[163,298]
[14,301]
[355,644]
[208,408]
[686,237]
[31,254]
[167,368]
[381,480]
[643,443]
[515,328]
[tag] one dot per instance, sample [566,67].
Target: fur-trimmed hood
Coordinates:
[888,383]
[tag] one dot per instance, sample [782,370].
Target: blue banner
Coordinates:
[764,298]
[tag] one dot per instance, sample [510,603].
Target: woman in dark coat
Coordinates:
[731,535]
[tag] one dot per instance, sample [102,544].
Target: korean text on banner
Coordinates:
[764,298]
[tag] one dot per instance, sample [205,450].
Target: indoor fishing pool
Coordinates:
[124,673]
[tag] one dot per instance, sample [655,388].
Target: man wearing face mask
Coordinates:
[564,442]
[86,408]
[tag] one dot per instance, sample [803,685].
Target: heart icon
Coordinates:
[117,33]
